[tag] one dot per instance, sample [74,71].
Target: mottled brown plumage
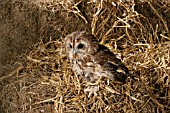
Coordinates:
[93,60]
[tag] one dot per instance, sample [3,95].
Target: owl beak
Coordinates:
[75,56]
[74,51]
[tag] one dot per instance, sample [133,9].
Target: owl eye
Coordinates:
[80,46]
[70,46]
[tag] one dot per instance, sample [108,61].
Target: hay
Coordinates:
[45,83]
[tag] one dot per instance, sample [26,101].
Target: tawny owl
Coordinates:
[92,60]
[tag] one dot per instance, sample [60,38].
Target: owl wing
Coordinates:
[109,62]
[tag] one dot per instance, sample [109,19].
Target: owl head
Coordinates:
[80,44]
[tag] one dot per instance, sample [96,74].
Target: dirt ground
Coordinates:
[35,76]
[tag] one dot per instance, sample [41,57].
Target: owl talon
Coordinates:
[92,90]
